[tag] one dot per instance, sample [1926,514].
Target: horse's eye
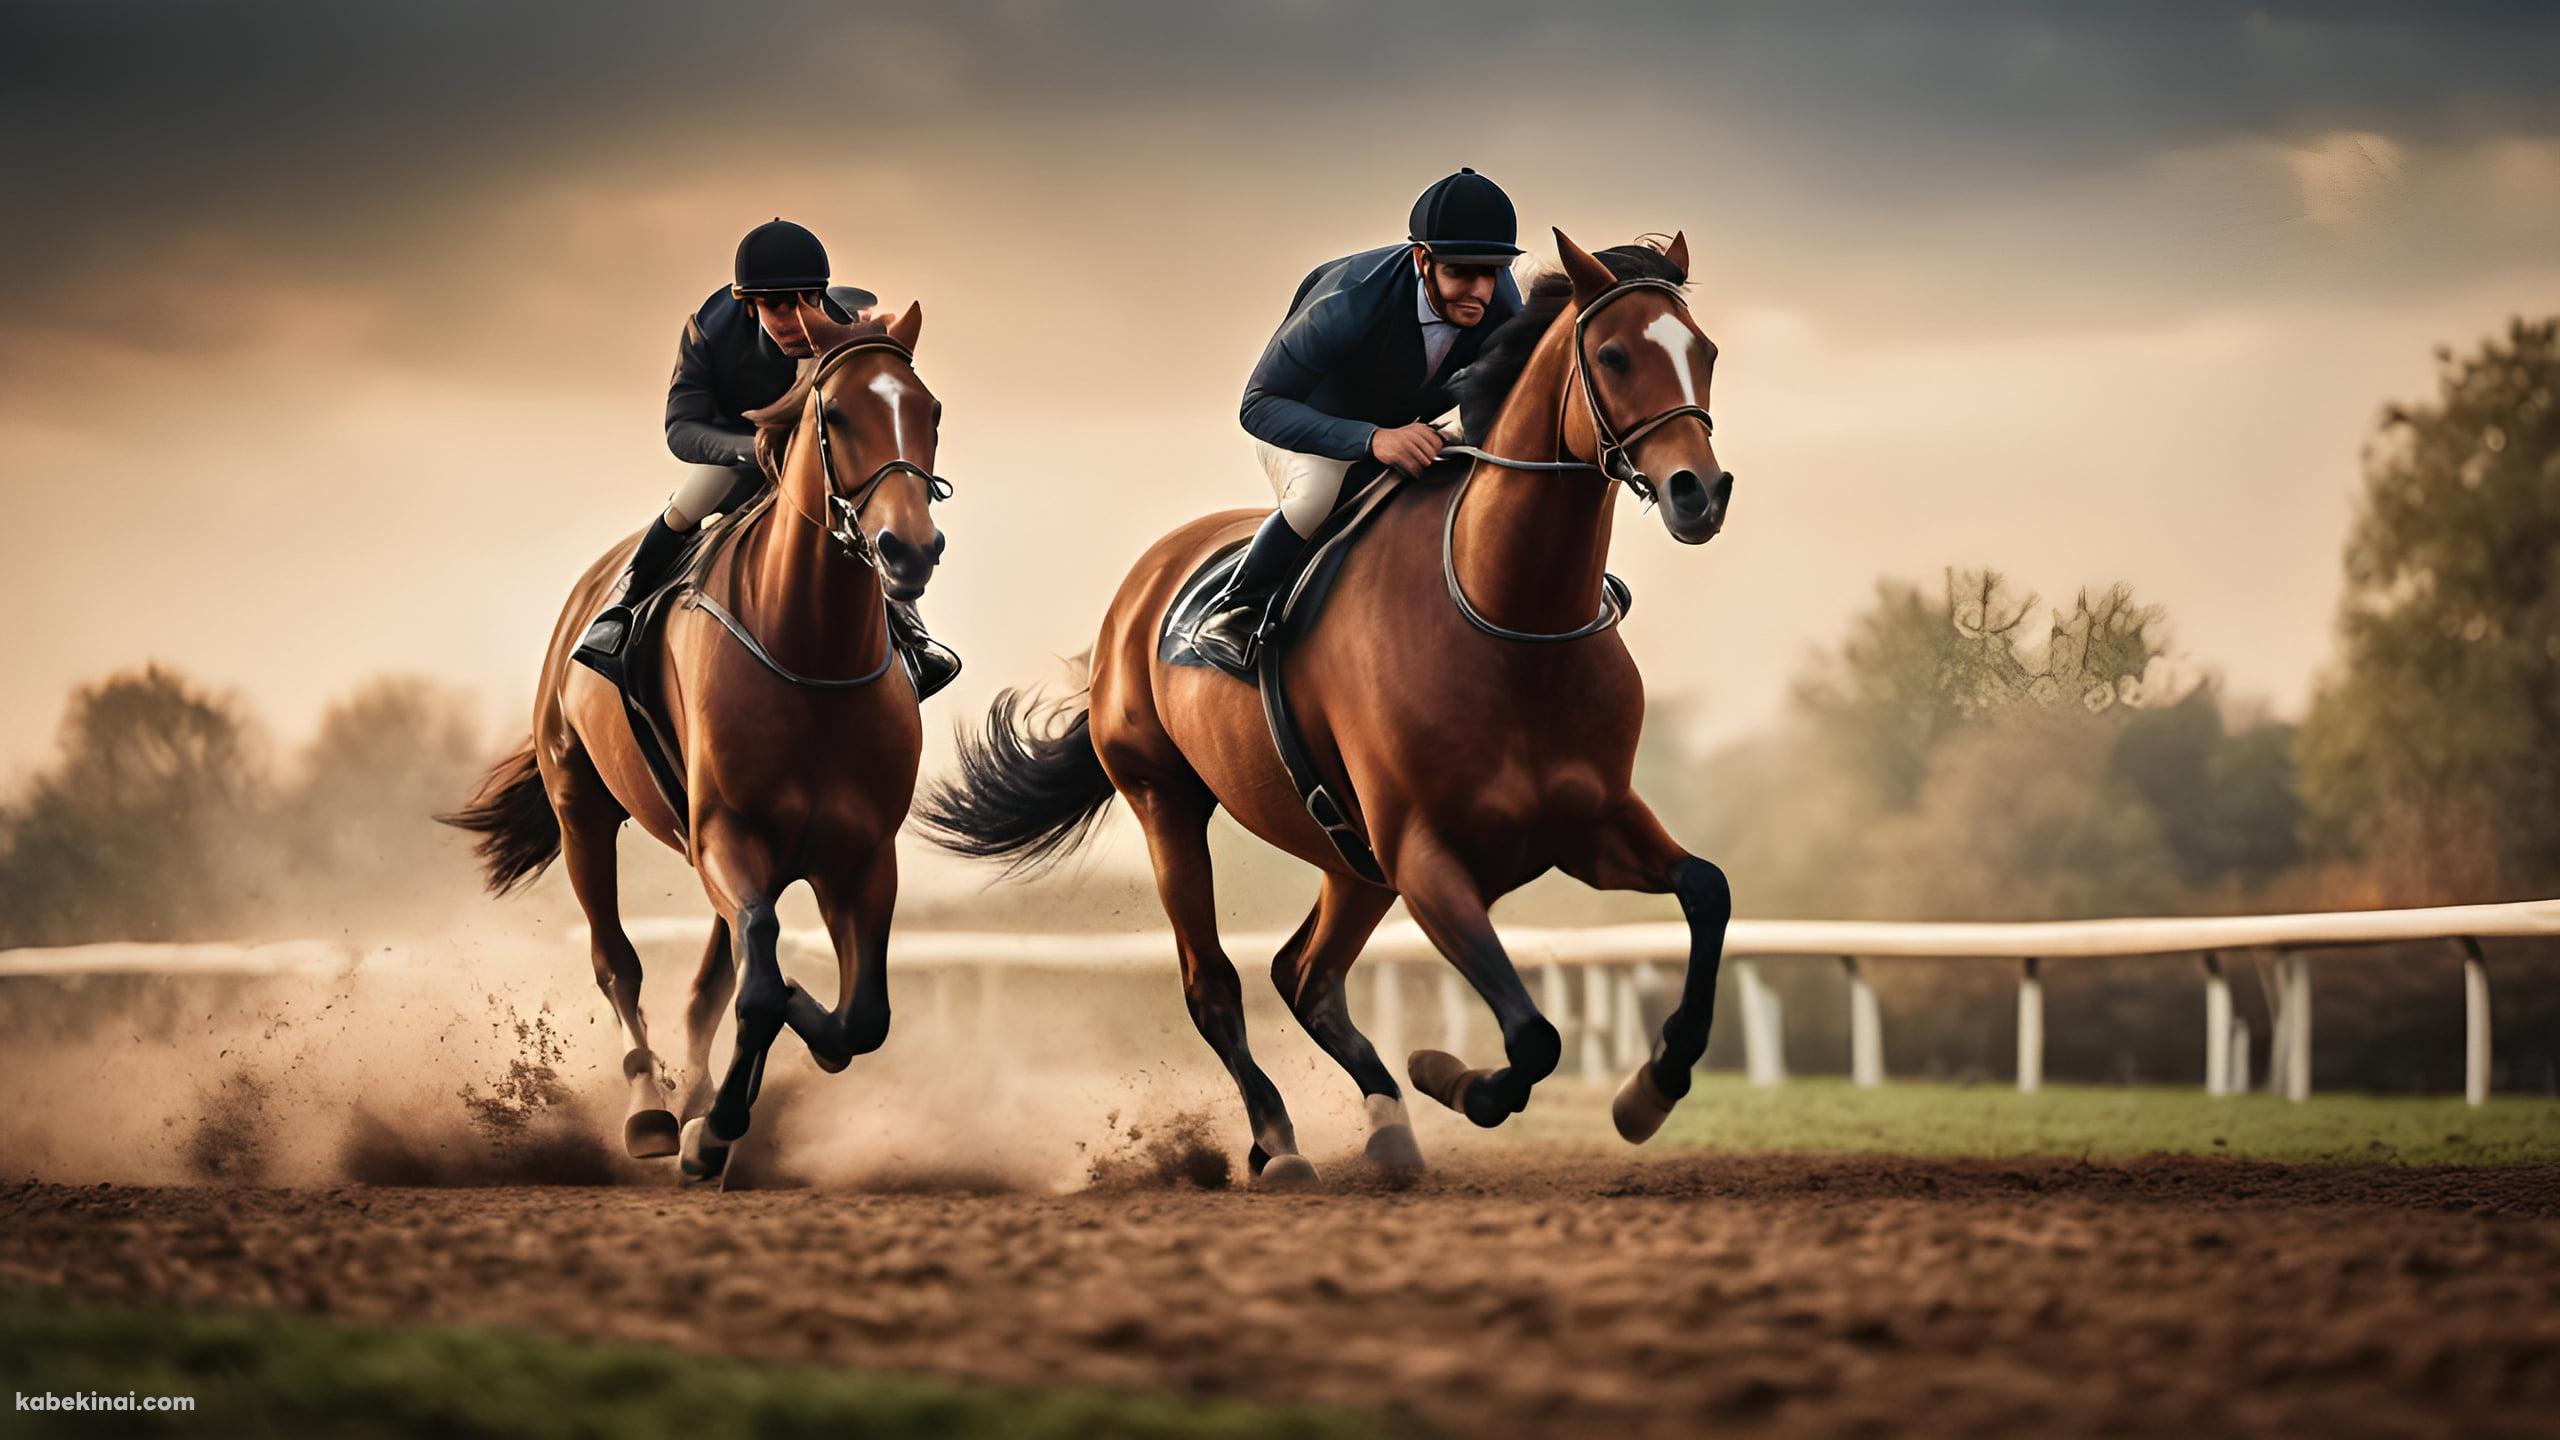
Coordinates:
[1614,357]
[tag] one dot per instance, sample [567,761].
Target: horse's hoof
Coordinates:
[650,1134]
[1641,1107]
[1392,1149]
[701,1156]
[1440,1075]
[1286,1172]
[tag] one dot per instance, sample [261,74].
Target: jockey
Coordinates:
[740,351]
[1354,373]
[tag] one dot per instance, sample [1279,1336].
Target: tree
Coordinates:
[2432,750]
[141,829]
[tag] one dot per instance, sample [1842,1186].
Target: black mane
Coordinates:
[1486,382]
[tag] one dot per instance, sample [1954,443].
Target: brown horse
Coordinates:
[1479,758]
[797,730]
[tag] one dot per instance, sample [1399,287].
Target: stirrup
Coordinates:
[603,653]
[1210,643]
[931,664]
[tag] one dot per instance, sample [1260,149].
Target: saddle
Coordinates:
[643,705]
[1294,608]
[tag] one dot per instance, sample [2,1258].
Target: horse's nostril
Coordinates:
[1688,495]
[939,541]
[893,549]
[1724,489]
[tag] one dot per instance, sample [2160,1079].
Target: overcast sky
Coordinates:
[337,336]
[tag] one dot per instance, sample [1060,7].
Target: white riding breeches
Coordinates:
[698,494]
[1306,484]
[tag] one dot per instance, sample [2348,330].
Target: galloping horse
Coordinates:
[797,731]
[1479,757]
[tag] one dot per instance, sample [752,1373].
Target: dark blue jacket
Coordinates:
[725,366]
[1348,360]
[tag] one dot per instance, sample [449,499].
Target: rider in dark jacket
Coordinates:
[740,351]
[1360,364]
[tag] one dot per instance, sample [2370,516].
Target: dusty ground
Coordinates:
[1523,1293]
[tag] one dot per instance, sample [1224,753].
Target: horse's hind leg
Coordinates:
[589,819]
[1449,905]
[1176,821]
[1309,972]
[1632,851]
[713,983]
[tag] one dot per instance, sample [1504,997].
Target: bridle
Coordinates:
[1616,463]
[1616,451]
[844,524]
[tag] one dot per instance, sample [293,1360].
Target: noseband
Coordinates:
[844,524]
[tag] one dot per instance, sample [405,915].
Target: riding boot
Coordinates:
[933,663]
[1231,632]
[601,648]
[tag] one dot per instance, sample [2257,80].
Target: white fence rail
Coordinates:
[1621,964]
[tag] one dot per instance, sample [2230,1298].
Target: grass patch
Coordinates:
[262,1373]
[1725,1112]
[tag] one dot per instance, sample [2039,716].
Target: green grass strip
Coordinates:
[1725,1112]
[265,1373]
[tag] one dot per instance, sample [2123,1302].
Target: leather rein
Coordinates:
[1616,464]
[844,527]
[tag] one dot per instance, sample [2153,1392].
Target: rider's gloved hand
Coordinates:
[1409,448]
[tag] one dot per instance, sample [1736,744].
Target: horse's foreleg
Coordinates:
[1176,823]
[857,910]
[1309,972]
[1632,851]
[1449,905]
[589,818]
[741,881]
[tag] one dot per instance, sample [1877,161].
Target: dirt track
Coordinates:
[1557,1294]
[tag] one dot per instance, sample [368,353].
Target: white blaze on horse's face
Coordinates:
[894,391]
[1673,333]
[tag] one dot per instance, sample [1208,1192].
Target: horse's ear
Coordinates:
[1589,276]
[906,327]
[1677,252]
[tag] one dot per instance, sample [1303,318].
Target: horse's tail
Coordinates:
[519,834]
[1030,789]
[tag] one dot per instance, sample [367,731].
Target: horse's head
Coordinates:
[1639,404]
[861,458]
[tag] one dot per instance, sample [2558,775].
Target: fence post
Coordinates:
[2030,1028]
[1387,977]
[1595,1011]
[1763,1026]
[2475,1023]
[2217,1028]
[2297,1026]
[1866,1028]
[1453,1013]
[2239,1056]
[1629,1041]
[1557,1000]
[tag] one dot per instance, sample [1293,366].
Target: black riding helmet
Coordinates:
[779,258]
[1466,218]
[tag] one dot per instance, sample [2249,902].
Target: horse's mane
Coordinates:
[775,422]
[1487,381]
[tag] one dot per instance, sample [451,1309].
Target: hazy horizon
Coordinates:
[342,337]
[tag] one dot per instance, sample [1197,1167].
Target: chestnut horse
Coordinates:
[797,732]
[1479,758]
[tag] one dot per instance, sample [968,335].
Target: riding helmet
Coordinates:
[1467,218]
[779,258]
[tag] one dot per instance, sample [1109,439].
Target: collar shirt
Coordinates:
[1438,336]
